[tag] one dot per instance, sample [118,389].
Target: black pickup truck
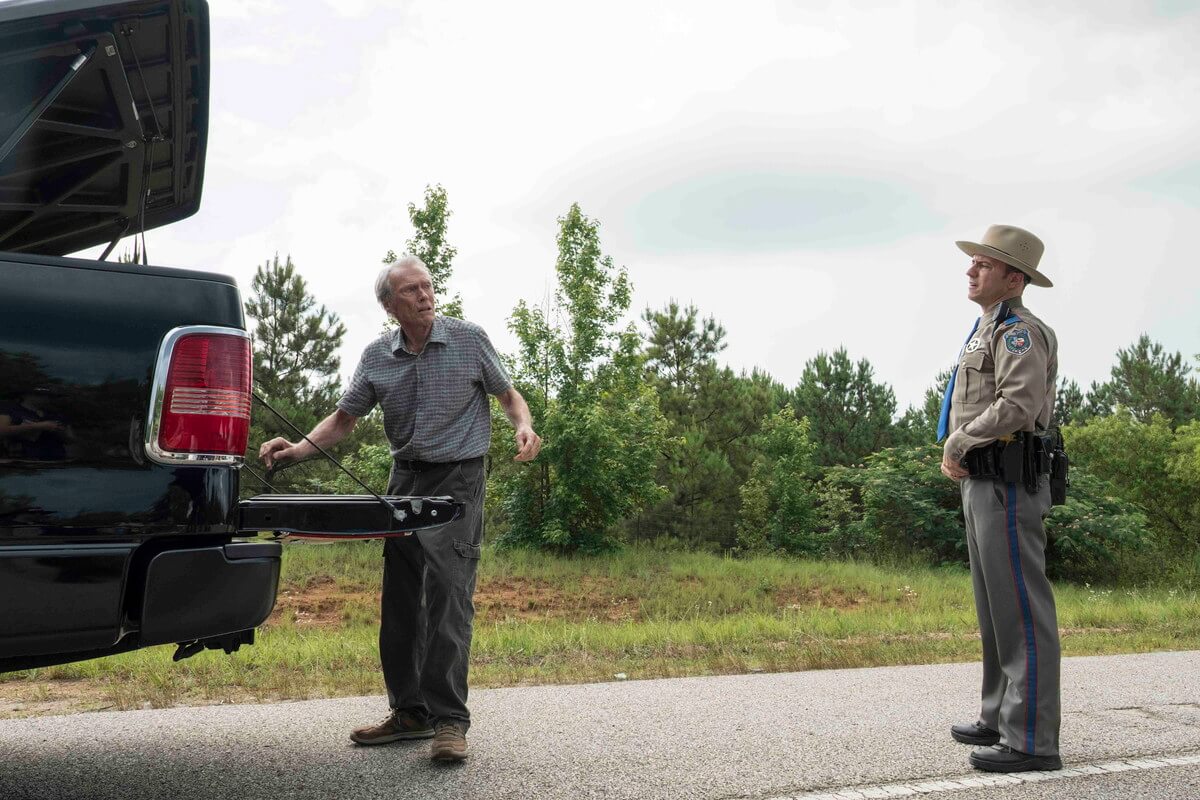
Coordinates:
[125,389]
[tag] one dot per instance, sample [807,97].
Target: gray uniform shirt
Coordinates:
[435,405]
[1007,375]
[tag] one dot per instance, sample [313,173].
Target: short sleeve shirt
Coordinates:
[435,404]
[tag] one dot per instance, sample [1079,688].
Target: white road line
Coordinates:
[980,780]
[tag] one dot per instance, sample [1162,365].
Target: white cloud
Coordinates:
[327,118]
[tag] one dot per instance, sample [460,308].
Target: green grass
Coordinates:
[642,612]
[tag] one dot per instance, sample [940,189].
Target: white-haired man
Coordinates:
[431,376]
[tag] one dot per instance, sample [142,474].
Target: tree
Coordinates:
[713,413]
[429,244]
[1070,405]
[778,508]
[680,346]
[295,341]
[583,377]
[295,355]
[1148,381]
[850,414]
[918,426]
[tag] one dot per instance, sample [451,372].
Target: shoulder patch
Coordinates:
[1017,341]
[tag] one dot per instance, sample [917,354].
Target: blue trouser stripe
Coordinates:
[1014,554]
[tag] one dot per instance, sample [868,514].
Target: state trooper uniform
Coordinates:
[1000,394]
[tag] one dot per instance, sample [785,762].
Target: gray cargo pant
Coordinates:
[1017,619]
[427,606]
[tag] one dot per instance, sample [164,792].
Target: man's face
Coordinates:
[988,281]
[411,303]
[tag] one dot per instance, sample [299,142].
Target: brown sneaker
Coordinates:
[396,726]
[449,743]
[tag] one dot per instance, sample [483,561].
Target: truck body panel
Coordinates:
[113,537]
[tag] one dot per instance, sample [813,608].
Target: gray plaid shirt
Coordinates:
[435,405]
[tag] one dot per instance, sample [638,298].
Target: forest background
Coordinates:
[648,438]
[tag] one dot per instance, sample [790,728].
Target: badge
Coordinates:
[972,345]
[1017,341]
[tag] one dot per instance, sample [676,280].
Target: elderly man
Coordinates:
[431,376]
[1000,393]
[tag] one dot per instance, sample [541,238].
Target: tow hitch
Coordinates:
[229,642]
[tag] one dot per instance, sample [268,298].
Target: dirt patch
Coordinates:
[319,580]
[525,599]
[795,598]
[42,698]
[321,604]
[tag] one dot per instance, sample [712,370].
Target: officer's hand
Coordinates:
[276,451]
[528,444]
[952,470]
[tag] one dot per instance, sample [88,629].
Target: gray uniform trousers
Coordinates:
[427,606]
[1017,619]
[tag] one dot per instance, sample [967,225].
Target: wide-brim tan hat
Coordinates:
[1014,246]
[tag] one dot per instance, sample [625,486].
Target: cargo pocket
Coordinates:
[466,549]
[465,565]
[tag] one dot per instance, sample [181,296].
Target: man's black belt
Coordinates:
[413,465]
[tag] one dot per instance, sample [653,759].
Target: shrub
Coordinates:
[1097,536]
[778,509]
[1148,464]
[898,504]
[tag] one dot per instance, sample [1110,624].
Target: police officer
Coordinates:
[1000,392]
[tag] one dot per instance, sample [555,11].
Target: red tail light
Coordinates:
[202,406]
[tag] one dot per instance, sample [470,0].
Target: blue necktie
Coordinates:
[944,418]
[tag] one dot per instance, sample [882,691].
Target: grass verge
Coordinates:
[642,613]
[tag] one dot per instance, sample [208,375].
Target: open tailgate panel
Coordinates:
[345,516]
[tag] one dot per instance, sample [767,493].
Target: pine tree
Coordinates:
[919,425]
[1070,405]
[713,414]
[1145,381]
[295,355]
[849,413]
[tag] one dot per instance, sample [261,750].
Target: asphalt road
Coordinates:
[862,733]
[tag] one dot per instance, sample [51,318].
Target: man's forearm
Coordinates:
[516,409]
[328,433]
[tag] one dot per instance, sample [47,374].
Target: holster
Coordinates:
[1023,457]
[1059,464]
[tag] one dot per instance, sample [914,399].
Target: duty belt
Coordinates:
[1022,457]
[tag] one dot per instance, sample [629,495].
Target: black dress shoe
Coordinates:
[975,733]
[1001,758]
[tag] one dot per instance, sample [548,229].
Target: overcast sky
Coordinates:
[799,170]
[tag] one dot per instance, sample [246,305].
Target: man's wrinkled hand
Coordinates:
[529,444]
[275,452]
[953,470]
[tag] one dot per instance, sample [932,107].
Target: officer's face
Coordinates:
[988,281]
[412,302]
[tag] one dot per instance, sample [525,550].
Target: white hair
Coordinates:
[383,283]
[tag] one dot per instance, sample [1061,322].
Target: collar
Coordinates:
[1000,311]
[438,334]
